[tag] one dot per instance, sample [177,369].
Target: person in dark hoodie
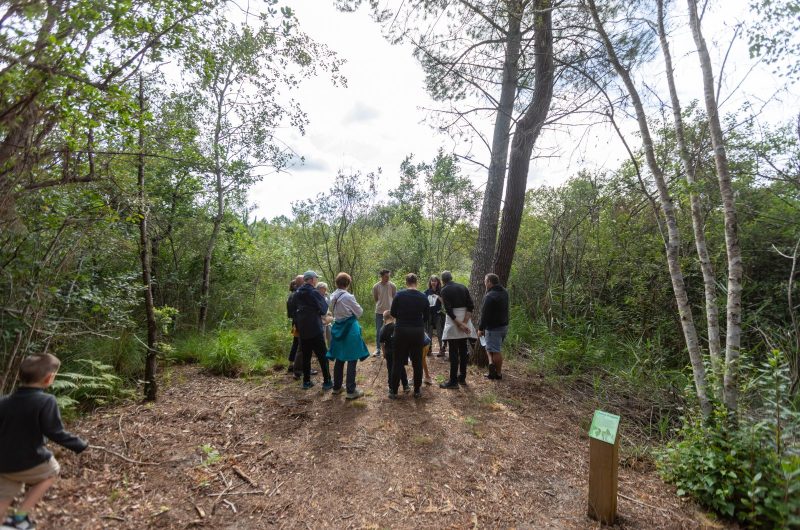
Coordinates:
[494,323]
[290,311]
[26,417]
[310,307]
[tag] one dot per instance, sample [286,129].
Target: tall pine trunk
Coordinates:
[698,225]
[150,364]
[673,236]
[493,193]
[526,132]
[734,252]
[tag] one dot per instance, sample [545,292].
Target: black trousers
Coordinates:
[459,356]
[338,373]
[293,351]
[316,346]
[408,344]
[388,353]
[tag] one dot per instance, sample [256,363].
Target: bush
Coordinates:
[750,470]
[234,354]
[90,384]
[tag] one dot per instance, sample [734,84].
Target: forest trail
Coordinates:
[513,454]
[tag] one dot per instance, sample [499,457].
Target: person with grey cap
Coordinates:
[310,308]
[493,326]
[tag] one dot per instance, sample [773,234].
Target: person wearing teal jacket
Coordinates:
[347,346]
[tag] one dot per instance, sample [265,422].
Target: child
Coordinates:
[426,349]
[26,417]
[386,338]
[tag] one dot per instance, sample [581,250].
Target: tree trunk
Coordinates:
[709,279]
[212,241]
[525,135]
[673,236]
[150,385]
[733,250]
[492,197]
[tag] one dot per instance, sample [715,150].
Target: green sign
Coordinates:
[604,427]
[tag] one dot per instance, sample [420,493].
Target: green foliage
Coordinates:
[748,470]
[232,354]
[92,384]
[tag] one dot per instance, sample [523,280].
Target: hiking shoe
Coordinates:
[377,354]
[327,385]
[462,382]
[427,381]
[450,385]
[417,394]
[392,395]
[355,394]
[308,384]
[337,391]
[13,524]
[406,389]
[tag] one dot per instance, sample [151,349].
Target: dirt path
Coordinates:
[512,454]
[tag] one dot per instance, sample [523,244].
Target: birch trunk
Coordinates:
[673,236]
[493,193]
[733,250]
[698,226]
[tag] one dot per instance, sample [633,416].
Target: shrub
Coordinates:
[235,353]
[748,470]
[91,384]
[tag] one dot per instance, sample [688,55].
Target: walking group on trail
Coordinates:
[325,326]
[405,324]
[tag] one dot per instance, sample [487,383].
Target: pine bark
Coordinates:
[526,133]
[150,384]
[698,226]
[733,249]
[490,212]
[673,235]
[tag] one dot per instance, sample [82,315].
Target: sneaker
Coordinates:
[314,372]
[308,384]
[462,382]
[327,385]
[337,391]
[450,385]
[417,394]
[428,381]
[406,389]
[23,524]
[392,395]
[377,354]
[357,393]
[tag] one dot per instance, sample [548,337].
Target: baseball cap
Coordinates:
[310,274]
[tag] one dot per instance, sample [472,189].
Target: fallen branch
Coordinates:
[244,476]
[123,457]
[642,503]
[227,493]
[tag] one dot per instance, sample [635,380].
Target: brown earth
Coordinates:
[236,454]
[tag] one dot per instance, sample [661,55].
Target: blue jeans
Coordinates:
[378,327]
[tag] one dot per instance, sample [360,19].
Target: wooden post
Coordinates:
[603,466]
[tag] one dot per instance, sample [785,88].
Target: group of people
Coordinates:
[406,321]
[325,326]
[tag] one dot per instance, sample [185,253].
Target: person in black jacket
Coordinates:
[410,309]
[26,417]
[310,307]
[458,328]
[290,310]
[494,323]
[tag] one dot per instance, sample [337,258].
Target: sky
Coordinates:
[380,117]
